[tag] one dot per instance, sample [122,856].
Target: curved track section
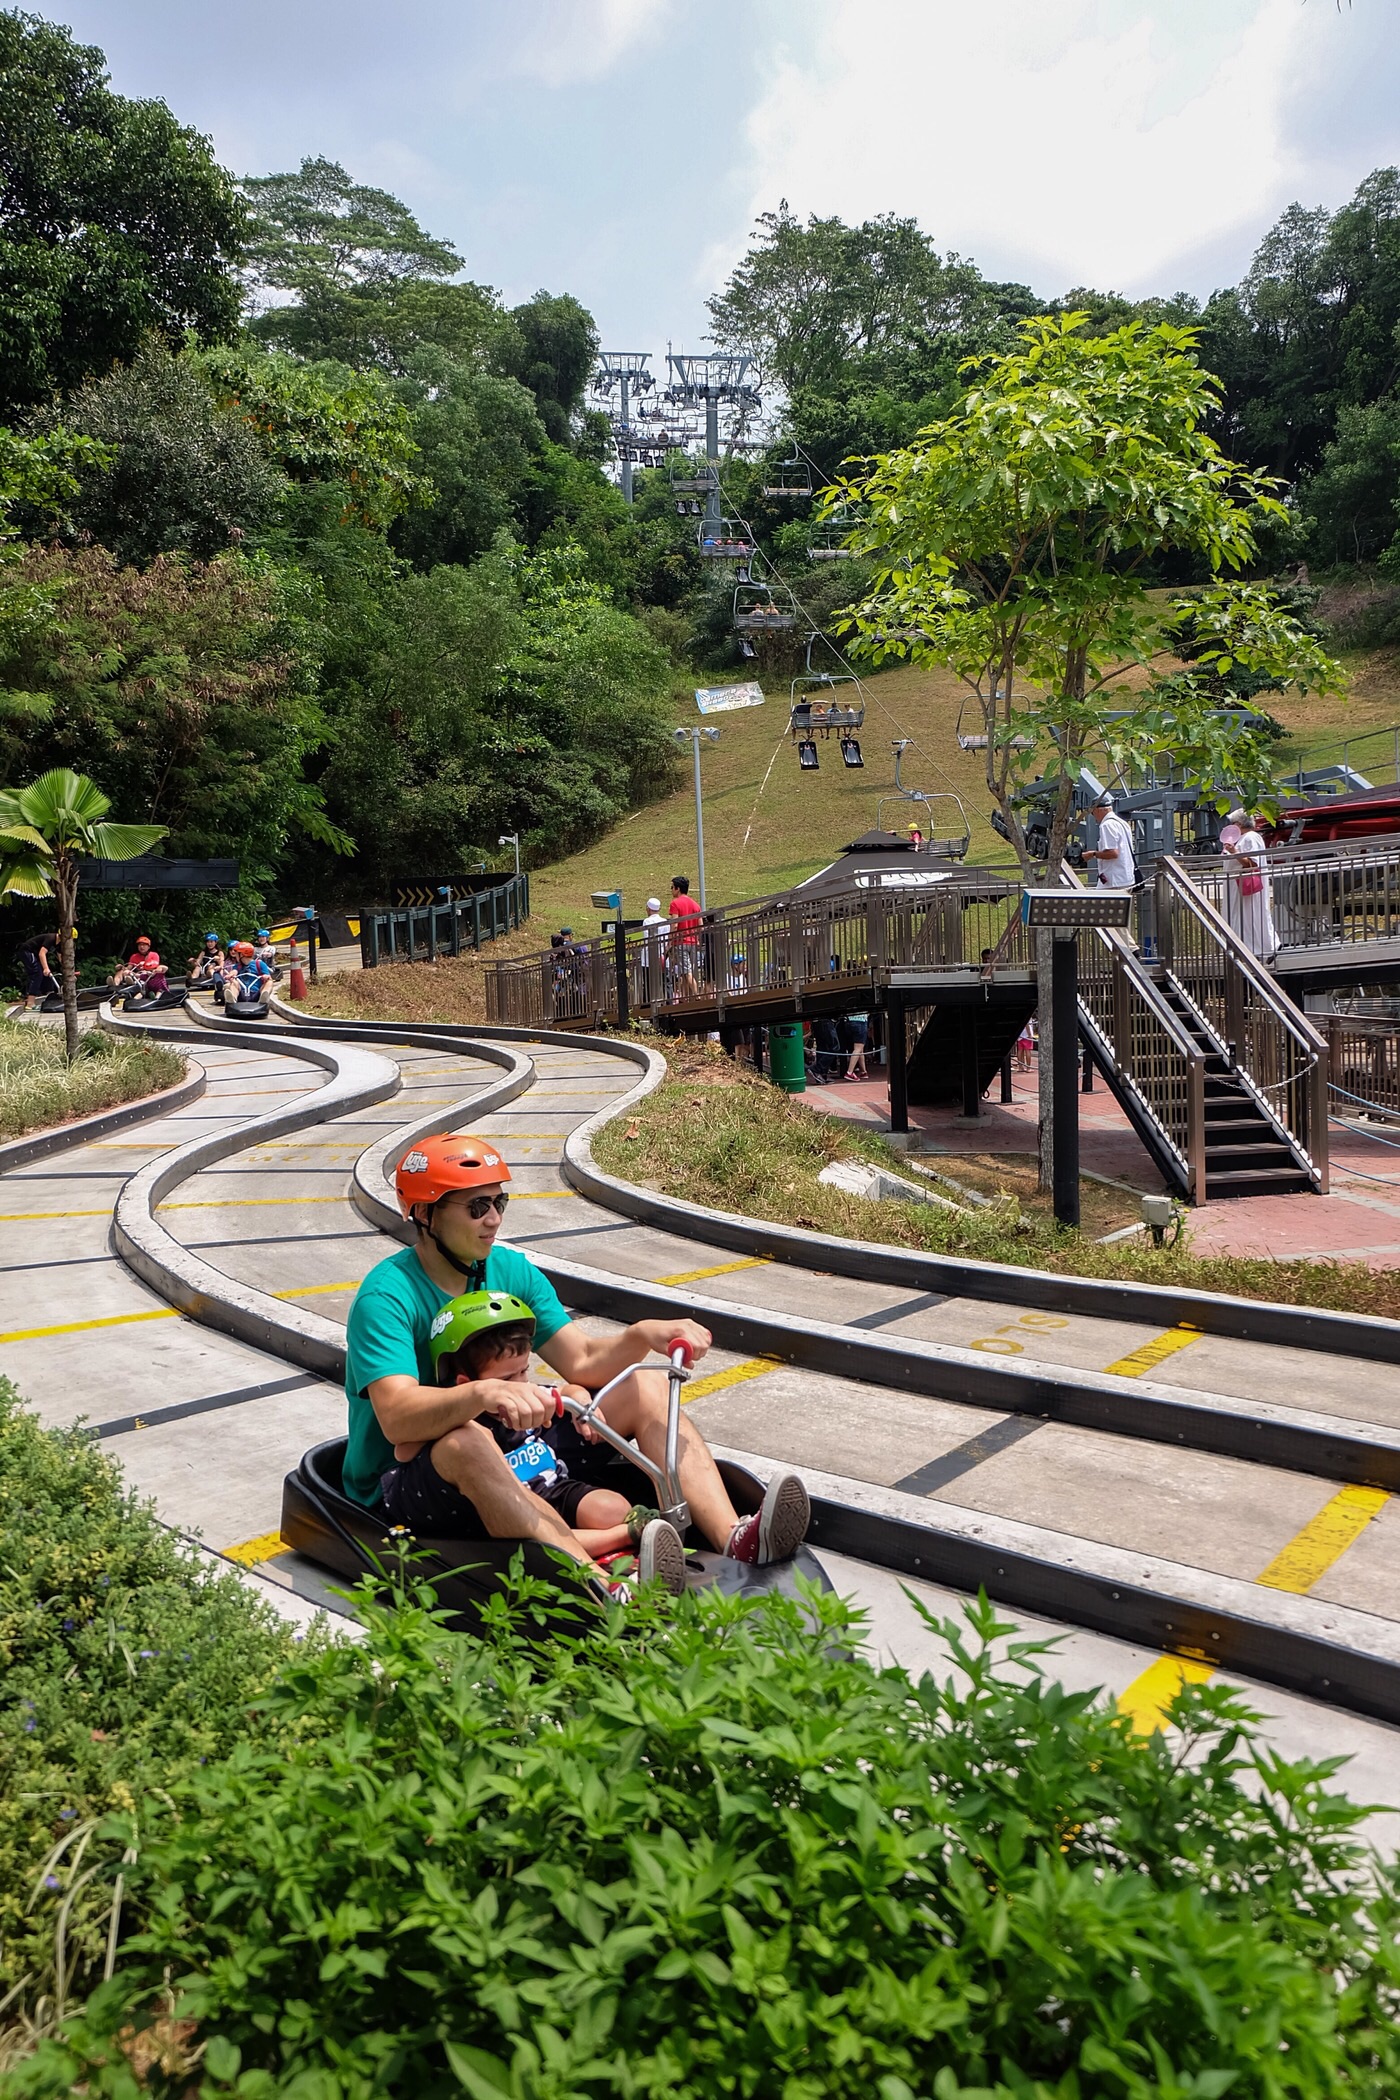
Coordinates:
[1056,1517]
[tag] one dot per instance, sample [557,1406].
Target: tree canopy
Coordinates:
[114,219]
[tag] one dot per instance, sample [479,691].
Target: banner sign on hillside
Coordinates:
[718,699]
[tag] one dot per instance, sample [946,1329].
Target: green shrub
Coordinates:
[710,1851]
[38,1086]
[124,1663]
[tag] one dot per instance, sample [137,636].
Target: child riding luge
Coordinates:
[488,1334]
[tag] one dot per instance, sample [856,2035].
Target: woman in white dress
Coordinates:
[1250,892]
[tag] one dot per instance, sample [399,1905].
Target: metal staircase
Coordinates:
[1222,1076]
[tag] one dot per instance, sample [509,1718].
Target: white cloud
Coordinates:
[1068,141]
[581,40]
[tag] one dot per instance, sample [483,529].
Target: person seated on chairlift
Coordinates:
[916,838]
[207,966]
[142,971]
[459,1483]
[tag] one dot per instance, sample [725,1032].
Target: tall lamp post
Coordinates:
[512,838]
[1065,912]
[693,736]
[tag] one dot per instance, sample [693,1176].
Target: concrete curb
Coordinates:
[1328,1652]
[1292,1438]
[194,1286]
[42,1144]
[1344,1657]
[1240,1319]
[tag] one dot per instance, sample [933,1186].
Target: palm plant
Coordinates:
[46,829]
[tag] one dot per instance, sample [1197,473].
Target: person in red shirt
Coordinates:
[684,948]
[143,970]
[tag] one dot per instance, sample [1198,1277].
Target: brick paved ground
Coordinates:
[1359,1220]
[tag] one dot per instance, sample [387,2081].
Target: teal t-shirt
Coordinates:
[387,1337]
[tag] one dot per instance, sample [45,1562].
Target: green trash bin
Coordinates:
[785,1060]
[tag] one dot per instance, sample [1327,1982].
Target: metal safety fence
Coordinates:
[421,933]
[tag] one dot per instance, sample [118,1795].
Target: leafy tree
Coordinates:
[1013,536]
[810,303]
[509,696]
[114,219]
[1352,502]
[186,687]
[46,829]
[553,354]
[480,443]
[176,469]
[316,228]
[323,422]
[387,325]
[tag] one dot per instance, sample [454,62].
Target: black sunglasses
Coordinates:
[479,1205]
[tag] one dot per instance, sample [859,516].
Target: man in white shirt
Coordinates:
[1114,852]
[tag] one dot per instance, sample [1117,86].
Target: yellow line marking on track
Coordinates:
[1139,1361]
[1302,1563]
[724,1268]
[756,1367]
[33,1334]
[312,1290]
[251,1202]
[18,1217]
[1306,1558]
[1147,1698]
[268,1547]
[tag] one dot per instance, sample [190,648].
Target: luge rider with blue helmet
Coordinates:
[451,1474]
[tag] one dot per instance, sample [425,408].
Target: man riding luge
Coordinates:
[460,1484]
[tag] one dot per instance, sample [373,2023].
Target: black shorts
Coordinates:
[416,1495]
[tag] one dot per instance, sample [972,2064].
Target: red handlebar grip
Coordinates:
[558,1403]
[681,1351]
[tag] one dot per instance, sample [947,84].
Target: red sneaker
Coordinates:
[778,1526]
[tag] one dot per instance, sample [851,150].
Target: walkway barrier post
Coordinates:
[1064,1009]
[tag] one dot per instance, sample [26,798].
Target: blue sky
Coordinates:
[619,149]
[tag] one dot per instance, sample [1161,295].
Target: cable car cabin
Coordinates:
[791,477]
[727,541]
[757,611]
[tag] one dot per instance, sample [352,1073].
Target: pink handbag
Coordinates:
[1250,885]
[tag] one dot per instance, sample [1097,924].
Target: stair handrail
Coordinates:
[1239,960]
[1134,977]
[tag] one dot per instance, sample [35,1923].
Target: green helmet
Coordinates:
[475,1312]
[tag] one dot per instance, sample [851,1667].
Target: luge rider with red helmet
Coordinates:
[459,1484]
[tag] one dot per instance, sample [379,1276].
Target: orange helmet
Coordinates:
[436,1165]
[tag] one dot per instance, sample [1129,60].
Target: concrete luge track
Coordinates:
[1083,1527]
[941,1488]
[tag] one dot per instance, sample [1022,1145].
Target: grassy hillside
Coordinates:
[767,825]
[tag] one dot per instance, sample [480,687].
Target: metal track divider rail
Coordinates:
[424,932]
[1279,1057]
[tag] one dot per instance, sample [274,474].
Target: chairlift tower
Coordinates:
[707,382]
[625,373]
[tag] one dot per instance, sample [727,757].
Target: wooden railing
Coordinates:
[784,950]
[421,933]
[1280,1057]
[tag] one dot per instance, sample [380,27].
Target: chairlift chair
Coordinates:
[727,541]
[756,611]
[977,739]
[791,478]
[949,843]
[688,479]
[829,543]
[818,701]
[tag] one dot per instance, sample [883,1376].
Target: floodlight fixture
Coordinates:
[1069,909]
[606,900]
